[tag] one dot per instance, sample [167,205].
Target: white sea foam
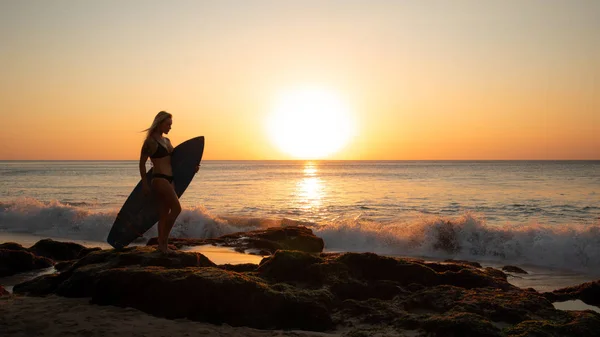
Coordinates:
[55,219]
[573,247]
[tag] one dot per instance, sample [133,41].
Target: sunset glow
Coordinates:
[310,123]
[379,80]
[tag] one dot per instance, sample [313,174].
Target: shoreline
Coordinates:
[542,279]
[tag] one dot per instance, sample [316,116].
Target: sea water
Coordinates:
[534,213]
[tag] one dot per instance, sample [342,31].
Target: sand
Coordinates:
[60,316]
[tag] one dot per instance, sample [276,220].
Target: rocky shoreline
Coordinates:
[298,287]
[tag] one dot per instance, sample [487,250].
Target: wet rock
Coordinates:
[444,267]
[362,292]
[41,285]
[357,290]
[587,292]
[371,266]
[573,323]
[60,251]
[492,304]
[460,324]
[64,265]
[495,273]
[268,240]
[289,266]
[464,262]
[185,285]
[213,295]
[474,278]
[369,312]
[240,268]
[514,269]
[79,278]
[18,261]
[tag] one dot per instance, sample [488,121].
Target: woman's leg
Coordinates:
[169,209]
[175,210]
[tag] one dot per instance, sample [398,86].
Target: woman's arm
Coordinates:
[147,150]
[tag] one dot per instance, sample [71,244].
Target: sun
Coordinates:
[310,123]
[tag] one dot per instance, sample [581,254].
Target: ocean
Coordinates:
[545,214]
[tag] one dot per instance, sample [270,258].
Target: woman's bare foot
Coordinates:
[165,249]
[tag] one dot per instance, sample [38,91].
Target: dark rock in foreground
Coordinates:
[18,261]
[60,251]
[15,258]
[570,323]
[78,279]
[213,295]
[265,241]
[514,269]
[587,292]
[363,294]
[188,285]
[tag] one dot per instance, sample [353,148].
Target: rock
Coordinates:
[18,261]
[573,323]
[240,268]
[60,251]
[498,305]
[587,292]
[12,246]
[473,278]
[460,324]
[448,266]
[361,293]
[357,290]
[78,280]
[213,295]
[289,266]
[3,291]
[464,262]
[495,273]
[514,269]
[41,285]
[186,285]
[370,312]
[15,258]
[60,266]
[268,240]
[371,266]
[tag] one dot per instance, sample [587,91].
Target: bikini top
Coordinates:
[161,151]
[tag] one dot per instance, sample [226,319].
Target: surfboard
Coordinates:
[140,212]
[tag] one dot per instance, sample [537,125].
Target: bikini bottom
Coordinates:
[164,176]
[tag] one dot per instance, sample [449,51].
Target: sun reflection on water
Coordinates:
[310,190]
[310,170]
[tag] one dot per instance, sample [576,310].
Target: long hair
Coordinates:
[160,117]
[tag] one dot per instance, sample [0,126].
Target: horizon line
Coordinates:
[281,160]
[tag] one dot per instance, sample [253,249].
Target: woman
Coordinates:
[159,149]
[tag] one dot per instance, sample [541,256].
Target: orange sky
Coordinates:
[423,79]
